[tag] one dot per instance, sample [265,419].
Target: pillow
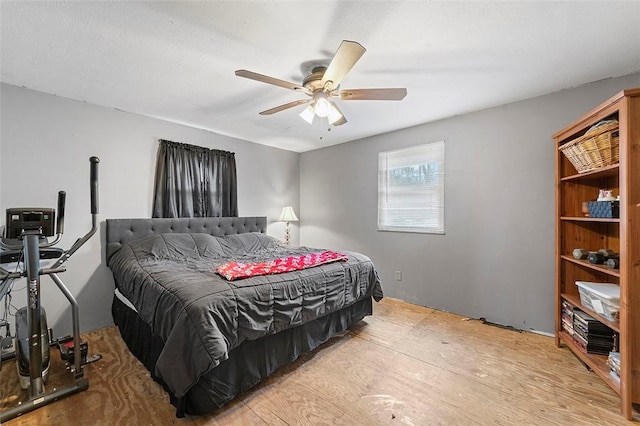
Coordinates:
[176,246]
[164,246]
[248,242]
[208,245]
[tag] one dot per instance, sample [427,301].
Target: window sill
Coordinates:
[413,230]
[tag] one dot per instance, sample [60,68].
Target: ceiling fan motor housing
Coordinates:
[313,81]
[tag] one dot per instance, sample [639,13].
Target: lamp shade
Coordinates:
[334,114]
[287,215]
[322,106]
[308,114]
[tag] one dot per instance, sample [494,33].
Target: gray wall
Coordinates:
[45,145]
[496,259]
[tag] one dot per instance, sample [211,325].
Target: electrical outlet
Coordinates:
[398,276]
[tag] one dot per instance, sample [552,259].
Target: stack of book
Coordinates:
[567,317]
[591,335]
[614,364]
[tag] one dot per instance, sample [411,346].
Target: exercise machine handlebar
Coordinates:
[62,197]
[93,181]
[94,184]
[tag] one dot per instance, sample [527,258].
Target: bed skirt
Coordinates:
[248,364]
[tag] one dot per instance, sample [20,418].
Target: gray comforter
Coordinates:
[201,317]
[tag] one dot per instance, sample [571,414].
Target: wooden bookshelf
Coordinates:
[622,235]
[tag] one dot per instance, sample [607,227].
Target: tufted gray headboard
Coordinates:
[120,231]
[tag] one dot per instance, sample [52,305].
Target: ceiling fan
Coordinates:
[324,83]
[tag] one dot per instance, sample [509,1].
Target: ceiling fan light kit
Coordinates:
[323,83]
[322,107]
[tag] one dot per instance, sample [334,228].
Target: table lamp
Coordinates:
[287,215]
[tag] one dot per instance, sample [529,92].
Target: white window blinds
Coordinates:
[411,189]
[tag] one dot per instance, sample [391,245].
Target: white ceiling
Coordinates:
[176,60]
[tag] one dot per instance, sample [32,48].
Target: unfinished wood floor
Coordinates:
[405,365]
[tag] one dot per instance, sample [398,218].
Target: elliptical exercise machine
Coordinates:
[25,240]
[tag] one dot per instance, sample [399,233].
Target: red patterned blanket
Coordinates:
[235,270]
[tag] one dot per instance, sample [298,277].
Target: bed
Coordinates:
[206,338]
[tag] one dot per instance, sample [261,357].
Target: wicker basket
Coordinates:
[598,147]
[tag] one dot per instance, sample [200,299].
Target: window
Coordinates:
[411,189]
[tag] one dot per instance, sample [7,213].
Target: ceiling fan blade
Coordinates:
[345,58]
[271,80]
[285,106]
[395,94]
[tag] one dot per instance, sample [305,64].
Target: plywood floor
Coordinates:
[406,365]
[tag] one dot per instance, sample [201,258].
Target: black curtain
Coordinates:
[192,181]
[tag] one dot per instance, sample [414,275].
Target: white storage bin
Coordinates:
[601,298]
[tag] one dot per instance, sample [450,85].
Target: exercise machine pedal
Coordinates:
[93,358]
[66,346]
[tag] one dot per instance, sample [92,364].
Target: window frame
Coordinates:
[433,152]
